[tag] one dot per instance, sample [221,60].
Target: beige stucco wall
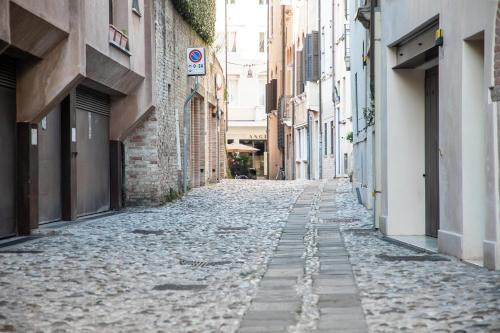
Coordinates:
[459,19]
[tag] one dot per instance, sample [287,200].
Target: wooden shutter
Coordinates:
[308,58]
[300,72]
[315,56]
[271,95]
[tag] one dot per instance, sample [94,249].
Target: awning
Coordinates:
[238,147]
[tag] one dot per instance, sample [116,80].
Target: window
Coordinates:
[229,141]
[136,8]
[232,41]
[233,90]
[332,138]
[262,38]
[326,139]
[262,2]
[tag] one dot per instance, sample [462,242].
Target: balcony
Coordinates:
[118,39]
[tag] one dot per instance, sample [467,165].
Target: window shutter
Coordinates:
[271,96]
[300,72]
[308,58]
[7,72]
[315,56]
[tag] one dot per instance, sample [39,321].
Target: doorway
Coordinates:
[49,167]
[432,152]
[7,147]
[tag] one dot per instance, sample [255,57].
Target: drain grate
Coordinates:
[148,232]
[200,264]
[180,287]
[341,220]
[387,257]
[20,252]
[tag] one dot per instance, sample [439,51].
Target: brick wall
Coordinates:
[151,164]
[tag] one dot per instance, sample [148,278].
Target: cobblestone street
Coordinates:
[240,256]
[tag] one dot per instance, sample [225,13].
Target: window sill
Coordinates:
[115,45]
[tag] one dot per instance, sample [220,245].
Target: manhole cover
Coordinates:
[196,263]
[412,258]
[148,232]
[169,286]
[20,251]
[341,220]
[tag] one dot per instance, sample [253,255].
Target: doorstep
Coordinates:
[420,243]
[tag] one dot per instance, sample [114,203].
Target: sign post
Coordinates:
[196,66]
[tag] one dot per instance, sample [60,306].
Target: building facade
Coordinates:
[246,74]
[85,126]
[439,133]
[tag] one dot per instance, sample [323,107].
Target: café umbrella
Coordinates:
[240,148]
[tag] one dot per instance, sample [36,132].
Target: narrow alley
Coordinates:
[240,256]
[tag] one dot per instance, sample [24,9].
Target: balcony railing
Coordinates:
[118,39]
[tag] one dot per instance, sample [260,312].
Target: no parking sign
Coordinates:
[196,64]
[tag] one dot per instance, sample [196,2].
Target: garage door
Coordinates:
[92,167]
[7,146]
[49,167]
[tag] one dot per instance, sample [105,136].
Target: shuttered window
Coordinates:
[7,72]
[272,96]
[311,57]
[300,72]
[92,101]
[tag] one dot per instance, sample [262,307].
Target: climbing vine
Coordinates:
[200,15]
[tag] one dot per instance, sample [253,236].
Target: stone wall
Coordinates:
[151,164]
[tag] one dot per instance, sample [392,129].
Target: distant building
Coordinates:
[246,74]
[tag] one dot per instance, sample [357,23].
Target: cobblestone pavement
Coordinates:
[191,266]
[206,264]
[414,296]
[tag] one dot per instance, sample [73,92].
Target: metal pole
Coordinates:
[178,146]
[186,120]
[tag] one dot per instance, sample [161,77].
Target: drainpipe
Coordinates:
[267,81]
[373,3]
[293,112]
[309,146]
[283,78]
[334,71]
[320,130]
[186,121]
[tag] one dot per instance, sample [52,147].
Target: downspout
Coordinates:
[267,82]
[283,77]
[320,146]
[187,119]
[373,3]
[334,71]
[293,112]
[309,146]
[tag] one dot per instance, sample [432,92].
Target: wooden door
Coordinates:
[432,152]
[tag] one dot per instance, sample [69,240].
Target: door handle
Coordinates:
[424,175]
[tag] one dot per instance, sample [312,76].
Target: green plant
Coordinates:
[172,195]
[350,137]
[200,15]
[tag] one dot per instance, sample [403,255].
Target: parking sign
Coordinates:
[196,64]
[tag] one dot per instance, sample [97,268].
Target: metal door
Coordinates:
[432,152]
[92,161]
[49,167]
[7,147]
